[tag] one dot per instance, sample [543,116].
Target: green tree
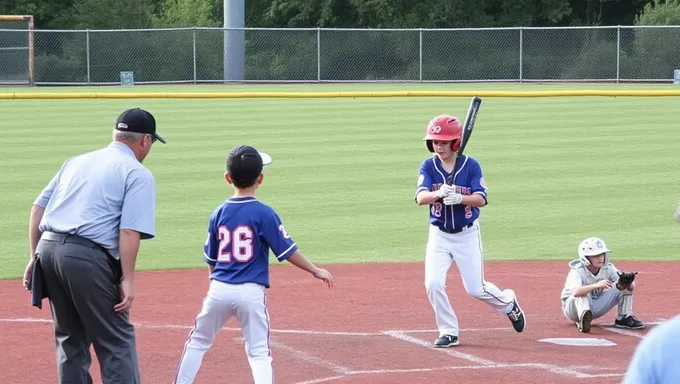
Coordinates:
[655,49]
[658,12]
[185,13]
[52,14]
[112,14]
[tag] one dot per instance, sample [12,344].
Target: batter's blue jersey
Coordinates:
[241,231]
[468,180]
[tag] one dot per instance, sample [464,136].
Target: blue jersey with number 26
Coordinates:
[241,231]
[468,180]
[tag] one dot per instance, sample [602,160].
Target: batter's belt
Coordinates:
[455,230]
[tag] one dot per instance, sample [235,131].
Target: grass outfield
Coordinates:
[344,171]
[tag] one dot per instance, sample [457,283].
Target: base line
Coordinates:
[452,368]
[307,357]
[492,364]
[414,340]
[623,331]
[281,331]
[629,332]
[400,335]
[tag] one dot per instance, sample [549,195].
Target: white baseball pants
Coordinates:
[248,303]
[465,249]
[573,307]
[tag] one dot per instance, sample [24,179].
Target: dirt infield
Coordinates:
[375,326]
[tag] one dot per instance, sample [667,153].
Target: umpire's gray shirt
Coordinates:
[99,193]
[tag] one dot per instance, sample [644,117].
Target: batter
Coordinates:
[454,232]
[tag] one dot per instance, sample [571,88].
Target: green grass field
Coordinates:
[344,171]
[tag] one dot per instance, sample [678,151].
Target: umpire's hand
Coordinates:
[27,274]
[127,295]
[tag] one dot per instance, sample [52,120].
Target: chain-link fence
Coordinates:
[198,55]
[14,52]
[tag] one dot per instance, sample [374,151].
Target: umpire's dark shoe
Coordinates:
[516,315]
[629,322]
[446,341]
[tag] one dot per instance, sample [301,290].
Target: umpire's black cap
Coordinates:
[245,163]
[139,121]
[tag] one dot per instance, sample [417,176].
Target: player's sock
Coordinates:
[625,306]
[261,367]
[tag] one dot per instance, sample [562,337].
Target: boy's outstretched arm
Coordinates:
[300,261]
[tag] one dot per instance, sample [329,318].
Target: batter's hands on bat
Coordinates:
[324,275]
[127,295]
[453,199]
[446,190]
[625,280]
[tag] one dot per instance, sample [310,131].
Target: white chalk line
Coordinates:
[638,333]
[333,333]
[397,334]
[460,355]
[282,331]
[564,371]
[454,368]
[322,380]
[623,331]
[307,357]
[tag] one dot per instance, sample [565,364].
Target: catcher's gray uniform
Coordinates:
[599,301]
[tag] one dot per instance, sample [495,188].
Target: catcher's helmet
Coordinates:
[444,128]
[592,246]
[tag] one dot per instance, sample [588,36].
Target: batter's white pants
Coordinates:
[465,249]
[573,306]
[248,303]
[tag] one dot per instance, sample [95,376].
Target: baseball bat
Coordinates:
[468,124]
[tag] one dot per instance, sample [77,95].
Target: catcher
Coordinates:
[594,286]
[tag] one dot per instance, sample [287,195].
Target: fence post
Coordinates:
[194,54]
[521,52]
[618,53]
[318,54]
[420,55]
[87,53]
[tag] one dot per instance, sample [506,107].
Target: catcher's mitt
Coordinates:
[625,280]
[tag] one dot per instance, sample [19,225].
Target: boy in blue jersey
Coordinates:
[454,231]
[241,231]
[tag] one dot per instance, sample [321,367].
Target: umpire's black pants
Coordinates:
[82,282]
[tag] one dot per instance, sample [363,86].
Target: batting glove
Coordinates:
[446,190]
[453,199]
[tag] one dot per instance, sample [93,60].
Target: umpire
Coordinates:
[84,231]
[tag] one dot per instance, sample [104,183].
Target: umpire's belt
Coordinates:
[74,239]
[455,230]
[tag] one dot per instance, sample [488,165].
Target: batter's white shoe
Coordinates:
[446,341]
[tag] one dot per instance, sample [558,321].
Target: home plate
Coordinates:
[579,342]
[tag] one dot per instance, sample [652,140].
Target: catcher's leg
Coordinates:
[251,312]
[437,263]
[577,309]
[605,302]
[623,300]
[215,312]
